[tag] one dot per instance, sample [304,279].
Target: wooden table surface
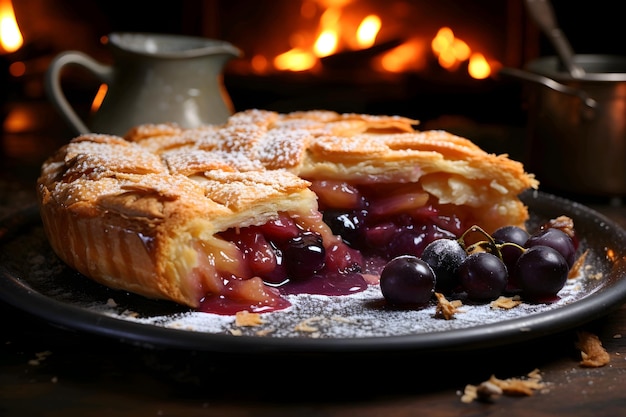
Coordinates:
[50,371]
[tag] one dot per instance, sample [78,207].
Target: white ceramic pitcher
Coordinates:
[154,78]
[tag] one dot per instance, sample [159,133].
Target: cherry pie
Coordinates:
[232,217]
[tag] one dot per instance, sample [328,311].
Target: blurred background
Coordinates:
[433,61]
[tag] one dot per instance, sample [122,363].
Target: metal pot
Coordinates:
[577,126]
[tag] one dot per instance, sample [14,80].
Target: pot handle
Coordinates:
[587,101]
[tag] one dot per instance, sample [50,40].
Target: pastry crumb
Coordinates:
[264,332]
[488,391]
[470,393]
[591,350]
[506,302]
[130,313]
[39,357]
[491,389]
[246,319]
[446,309]
[578,266]
[590,274]
[564,223]
[307,325]
[341,319]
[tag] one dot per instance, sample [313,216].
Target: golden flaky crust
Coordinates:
[127,212]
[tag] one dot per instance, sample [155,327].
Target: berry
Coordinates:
[348,224]
[304,255]
[483,276]
[407,280]
[556,239]
[510,234]
[511,241]
[444,256]
[541,272]
[509,260]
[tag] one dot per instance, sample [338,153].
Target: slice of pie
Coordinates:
[232,217]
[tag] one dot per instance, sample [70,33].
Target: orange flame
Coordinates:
[10,36]
[326,43]
[452,51]
[97,100]
[295,60]
[368,30]
[408,56]
[478,67]
[328,39]
[336,32]
[331,38]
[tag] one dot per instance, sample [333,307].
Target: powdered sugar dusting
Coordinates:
[283,148]
[360,315]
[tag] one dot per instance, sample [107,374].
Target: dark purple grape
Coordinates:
[513,234]
[483,276]
[510,234]
[556,239]
[304,255]
[348,225]
[541,272]
[511,253]
[406,281]
[444,256]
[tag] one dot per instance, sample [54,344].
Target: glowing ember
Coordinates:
[295,60]
[410,56]
[259,63]
[17,69]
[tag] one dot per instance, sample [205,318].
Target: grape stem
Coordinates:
[488,245]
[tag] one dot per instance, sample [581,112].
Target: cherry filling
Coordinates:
[386,221]
[284,258]
[363,228]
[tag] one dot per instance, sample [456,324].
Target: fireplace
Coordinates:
[397,70]
[315,58]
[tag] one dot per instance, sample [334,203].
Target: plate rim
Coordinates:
[16,292]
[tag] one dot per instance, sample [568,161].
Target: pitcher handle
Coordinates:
[54,89]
